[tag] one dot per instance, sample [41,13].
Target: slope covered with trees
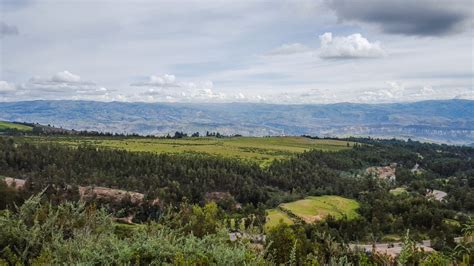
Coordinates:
[183,183]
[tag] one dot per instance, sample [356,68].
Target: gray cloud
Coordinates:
[6,29]
[13,5]
[407,17]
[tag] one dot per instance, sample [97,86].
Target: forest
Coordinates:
[192,201]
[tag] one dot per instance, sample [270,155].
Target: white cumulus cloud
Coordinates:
[6,87]
[66,76]
[62,85]
[165,80]
[352,46]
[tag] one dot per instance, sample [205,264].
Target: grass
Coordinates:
[312,209]
[452,222]
[9,125]
[262,150]
[275,216]
[398,191]
[391,238]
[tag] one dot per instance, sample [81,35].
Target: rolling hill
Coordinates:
[260,150]
[5,126]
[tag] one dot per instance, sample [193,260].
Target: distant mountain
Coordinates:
[448,121]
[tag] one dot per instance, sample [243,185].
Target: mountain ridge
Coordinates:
[447,121]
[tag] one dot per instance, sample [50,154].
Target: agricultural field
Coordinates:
[259,149]
[313,209]
[9,125]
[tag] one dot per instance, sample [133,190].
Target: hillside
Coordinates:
[448,121]
[260,150]
[6,126]
[188,195]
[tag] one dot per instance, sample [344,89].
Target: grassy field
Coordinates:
[8,125]
[313,209]
[398,191]
[274,216]
[262,150]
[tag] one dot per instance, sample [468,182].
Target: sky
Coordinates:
[289,52]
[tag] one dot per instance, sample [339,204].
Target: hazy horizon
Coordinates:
[236,102]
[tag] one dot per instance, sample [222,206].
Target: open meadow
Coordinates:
[258,149]
[9,125]
[313,209]
[275,216]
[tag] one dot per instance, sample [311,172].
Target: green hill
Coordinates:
[14,126]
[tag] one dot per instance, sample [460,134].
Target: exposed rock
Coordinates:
[437,195]
[383,172]
[92,192]
[15,182]
[217,196]
[390,249]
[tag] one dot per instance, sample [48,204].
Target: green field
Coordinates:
[398,191]
[275,216]
[313,209]
[260,149]
[9,125]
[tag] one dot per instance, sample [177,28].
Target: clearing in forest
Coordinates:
[275,216]
[398,191]
[314,209]
[262,150]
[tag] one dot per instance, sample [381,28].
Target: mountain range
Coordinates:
[445,121]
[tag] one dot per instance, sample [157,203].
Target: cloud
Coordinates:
[62,85]
[61,79]
[288,49]
[6,88]
[465,96]
[167,88]
[158,81]
[6,29]
[66,76]
[352,46]
[407,17]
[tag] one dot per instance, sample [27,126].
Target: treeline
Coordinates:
[50,130]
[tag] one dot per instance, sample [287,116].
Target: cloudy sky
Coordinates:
[369,51]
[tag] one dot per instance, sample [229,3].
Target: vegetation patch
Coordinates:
[398,191]
[14,126]
[262,150]
[276,216]
[313,209]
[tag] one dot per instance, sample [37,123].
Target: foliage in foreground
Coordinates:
[39,233]
[73,233]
